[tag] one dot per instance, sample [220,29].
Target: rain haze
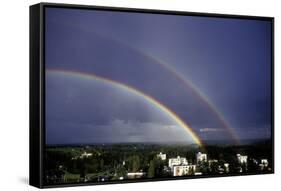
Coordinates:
[116,77]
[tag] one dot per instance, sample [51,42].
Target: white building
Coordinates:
[133,175]
[226,167]
[181,170]
[83,155]
[177,161]
[161,156]
[242,158]
[201,157]
[264,162]
[86,155]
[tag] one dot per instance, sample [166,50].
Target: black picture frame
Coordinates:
[37,87]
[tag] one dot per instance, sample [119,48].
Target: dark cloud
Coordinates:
[79,110]
[227,59]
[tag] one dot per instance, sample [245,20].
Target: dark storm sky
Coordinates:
[228,60]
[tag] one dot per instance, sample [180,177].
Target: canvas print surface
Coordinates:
[134,96]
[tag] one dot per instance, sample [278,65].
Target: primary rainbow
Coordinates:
[137,92]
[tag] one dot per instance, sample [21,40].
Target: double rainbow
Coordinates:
[187,84]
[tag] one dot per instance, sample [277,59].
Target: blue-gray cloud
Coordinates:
[228,59]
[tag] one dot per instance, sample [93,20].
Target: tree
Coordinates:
[158,167]
[151,169]
[191,171]
[214,168]
[81,167]
[101,164]
[136,163]
[121,171]
[203,167]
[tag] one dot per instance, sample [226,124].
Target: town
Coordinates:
[102,163]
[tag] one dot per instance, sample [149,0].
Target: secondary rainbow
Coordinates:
[136,92]
[187,83]
[190,86]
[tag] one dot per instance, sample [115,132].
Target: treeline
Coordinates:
[110,160]
[116,160]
